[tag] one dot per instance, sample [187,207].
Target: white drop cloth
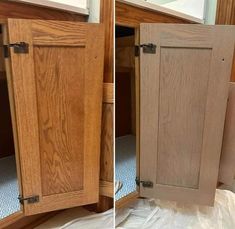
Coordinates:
[156,214]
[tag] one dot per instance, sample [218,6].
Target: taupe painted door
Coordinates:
[57,89]
[183,97]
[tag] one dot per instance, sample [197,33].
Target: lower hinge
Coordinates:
[147,48]
[29,200]
[145,184]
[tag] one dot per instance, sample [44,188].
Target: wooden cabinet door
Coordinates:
[57,88]
[183,97]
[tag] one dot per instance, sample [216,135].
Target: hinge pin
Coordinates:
[30,200]
[145,184]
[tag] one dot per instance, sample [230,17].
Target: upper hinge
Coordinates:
[30,200]
[19,47]
[145,184]
[147,48]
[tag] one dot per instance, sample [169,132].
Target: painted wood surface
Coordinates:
[183,99]
[227,160]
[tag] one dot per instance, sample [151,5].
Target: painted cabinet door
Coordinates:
[57,88]
[183,98]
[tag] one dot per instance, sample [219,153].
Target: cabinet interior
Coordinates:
[9,190]
[125,112]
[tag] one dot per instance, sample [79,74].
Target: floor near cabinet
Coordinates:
[9,191]
[125,162]
[79,217]
[158,214]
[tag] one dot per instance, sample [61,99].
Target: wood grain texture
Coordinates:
[12,109]
[182,103]
[10,9]
[106,188]
[108,96]
[107,18]
[132,16]
[153,115]
[227,160]
[106,160]
[19,221]
[28,116]
[125,201]
[60,117]
[225,12]
[58,33]
[225,15]
[106,157]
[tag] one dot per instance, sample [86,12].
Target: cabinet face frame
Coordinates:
[134,195]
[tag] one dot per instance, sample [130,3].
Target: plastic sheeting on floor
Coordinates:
[79,218]
[156,214]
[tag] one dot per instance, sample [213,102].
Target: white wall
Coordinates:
[77,3]
[211,12]
[94,11]
[78,6]
[193,8]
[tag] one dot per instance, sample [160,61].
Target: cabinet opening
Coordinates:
[125,112]
[9,189]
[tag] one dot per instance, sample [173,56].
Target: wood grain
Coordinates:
[154,113]
[107,18]
[10,9]
[19,221]
[58,33]
[106,157]
[225,15]
[108,96]
[225,12]
[60,117]
[182,103]
[125,201]
[227,160]
[106,188]
[25,81]
[132,16]
[106,160]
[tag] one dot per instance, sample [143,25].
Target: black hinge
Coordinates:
[147,48]
[6,51]
[145,184]
[30,200]
[19,47]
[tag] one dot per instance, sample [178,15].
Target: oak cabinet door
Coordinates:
[183,97]
[57,87]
